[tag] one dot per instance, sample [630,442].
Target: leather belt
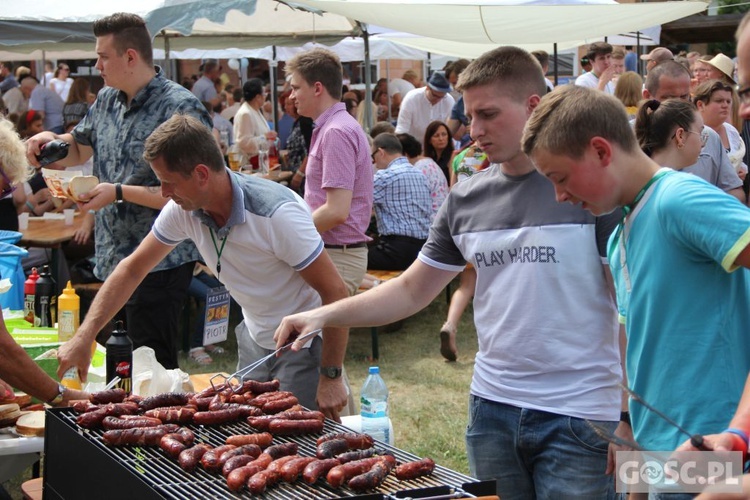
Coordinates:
[361,244]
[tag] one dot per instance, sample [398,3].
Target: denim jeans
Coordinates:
[536,454]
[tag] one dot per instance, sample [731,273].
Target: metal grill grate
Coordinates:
[157,472]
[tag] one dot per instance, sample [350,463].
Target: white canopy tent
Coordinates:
[509,22]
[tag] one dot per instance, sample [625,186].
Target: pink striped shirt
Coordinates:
[339,158]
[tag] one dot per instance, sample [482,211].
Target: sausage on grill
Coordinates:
[262,439]
[189,458]
[284,427]
[413,470]
[210,460]
[340,474]
[372,478]
[139,436]
[317,468]
[109,396]
[291,470]
[237,478]
[258,483]
[129,422]
[173,415]
[217,417]
[163,400]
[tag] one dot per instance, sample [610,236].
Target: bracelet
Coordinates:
[741,434]
[625,417]
[300,173]
[118,193]
[31,207]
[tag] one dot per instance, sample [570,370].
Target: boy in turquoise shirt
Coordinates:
[679,262]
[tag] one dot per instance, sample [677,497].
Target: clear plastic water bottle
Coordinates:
[374,406]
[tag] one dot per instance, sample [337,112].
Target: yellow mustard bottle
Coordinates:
[68,313]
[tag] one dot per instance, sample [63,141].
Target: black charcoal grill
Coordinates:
[79,466]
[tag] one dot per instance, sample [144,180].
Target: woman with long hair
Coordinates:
[438,145]
[62,82]
[77,105]
[629,90]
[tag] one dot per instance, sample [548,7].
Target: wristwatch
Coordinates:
[59,398]
[118,193]
[625,417]
[330,371]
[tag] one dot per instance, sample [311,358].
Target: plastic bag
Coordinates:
[151,378]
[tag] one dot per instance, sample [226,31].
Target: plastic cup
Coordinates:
[23,221]
[69,214]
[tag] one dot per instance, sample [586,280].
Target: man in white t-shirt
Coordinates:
[399,87]
[602,70]
[258,238]
[425,105]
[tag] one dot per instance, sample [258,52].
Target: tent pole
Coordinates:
[388,77]
[368,79]
[428,67]
[274,91]
[554,50]
[44,67]
[639,65]
[167,63]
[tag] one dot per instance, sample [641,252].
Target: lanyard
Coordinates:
[623,229]
[218,250]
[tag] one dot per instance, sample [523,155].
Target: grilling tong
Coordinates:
[234,381]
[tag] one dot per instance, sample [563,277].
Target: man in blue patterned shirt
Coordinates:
[402,204]
[137,99]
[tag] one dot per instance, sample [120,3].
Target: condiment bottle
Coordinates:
[45,299]
[68,309]
[71,380]
[29,290]
[120,358]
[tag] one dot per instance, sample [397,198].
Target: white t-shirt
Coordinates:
[592,81]
[270,236]
[62,87]
[417,112]
[399,86]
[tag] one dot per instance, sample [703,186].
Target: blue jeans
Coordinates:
[536,454]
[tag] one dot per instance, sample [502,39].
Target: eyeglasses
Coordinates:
[743,94]
[9,187]
[703,134]
[372,155]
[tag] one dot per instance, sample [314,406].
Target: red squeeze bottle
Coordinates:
[29,290]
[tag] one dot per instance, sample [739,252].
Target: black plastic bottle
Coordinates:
[52,151]
[45,299]
[120,358]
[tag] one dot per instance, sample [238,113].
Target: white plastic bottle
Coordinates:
[374,406]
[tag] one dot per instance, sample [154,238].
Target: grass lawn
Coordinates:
[428,396]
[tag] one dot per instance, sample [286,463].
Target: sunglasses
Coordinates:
[743,94]
[9,187]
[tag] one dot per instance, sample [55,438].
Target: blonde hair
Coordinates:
[13,154]
[318,65]
[629,88]
[568,117]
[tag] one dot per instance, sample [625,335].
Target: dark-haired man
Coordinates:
[205,88]
[138,98]
[602,71]
[402,204]
[257,237]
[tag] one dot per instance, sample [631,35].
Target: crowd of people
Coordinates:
[464,173]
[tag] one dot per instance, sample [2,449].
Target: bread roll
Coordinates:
[81,184]
[31,424]
[9,413]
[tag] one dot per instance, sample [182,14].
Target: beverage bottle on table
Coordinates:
[45,299]
[120,358]
[374,406]
[68,310]
[29,290]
